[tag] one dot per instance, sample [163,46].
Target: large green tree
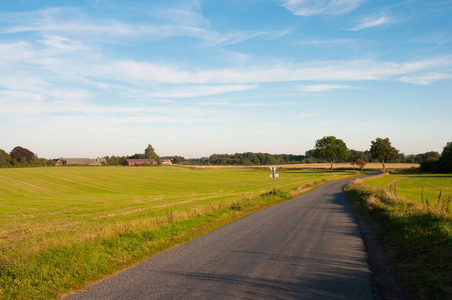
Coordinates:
[149,153]
[445,161]
[330,148]
[23,155]
[382,150]
[5,158]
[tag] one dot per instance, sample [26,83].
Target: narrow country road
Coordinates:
[307,248]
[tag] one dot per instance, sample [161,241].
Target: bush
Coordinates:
[429,165]
[277,193]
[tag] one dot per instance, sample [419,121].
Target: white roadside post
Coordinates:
[274,175]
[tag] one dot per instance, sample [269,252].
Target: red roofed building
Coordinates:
[140,162]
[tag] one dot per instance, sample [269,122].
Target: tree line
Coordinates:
[22,157]
[441,164]
[327,149]
[330,149]
[149,153]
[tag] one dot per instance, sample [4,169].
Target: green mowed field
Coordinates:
[411,216]
[65,226]
[417,187]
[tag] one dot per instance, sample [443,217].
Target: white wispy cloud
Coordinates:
[309,115]
[19,96]
[425,78]
[63,43]
[142,72]
[214,38]
[22,82]
[198,91]
[101,72]
[374,21]
[26,106]
[323,87]
[329,7]
[11,52]
[308,42]
[70,22]
[37,88]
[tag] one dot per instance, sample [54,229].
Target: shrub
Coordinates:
[429,165]
[277,193]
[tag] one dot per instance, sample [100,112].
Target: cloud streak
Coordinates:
[327,7]
[54,23]
[198,91]
[322,42]
[355,70]
[424,79]
[377,20]
[323,87]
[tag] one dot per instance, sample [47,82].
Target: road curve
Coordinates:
[309,247]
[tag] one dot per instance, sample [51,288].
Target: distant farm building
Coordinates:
[166,161]
[84,161]
[140,162]
[59,161]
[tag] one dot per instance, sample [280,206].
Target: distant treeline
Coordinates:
[149,153]
[22,157]
[250,158]
[253,159]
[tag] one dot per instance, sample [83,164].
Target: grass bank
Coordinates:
[65,227]
[410,215]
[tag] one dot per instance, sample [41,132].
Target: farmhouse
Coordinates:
[84,161]
[140,162]
[59,161]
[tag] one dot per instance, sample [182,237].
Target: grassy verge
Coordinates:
[66,227]
[417,235]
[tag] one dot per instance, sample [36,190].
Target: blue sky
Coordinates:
[94,78]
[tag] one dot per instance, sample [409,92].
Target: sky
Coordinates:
[90,78]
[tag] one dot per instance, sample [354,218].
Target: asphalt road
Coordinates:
[307,248]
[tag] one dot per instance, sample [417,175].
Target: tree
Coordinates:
[352,159]
[177,159]
[22,155]
[268,159]
[361,163]
[137,156]
[364,155]
[330,148]
[382,150]
[5,158]
[419,158]
[445,160]
[149,153]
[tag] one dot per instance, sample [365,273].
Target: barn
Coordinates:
[140,162]
[83,161]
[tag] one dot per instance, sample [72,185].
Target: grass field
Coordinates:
[68,226]
[419,188]
[411,216]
